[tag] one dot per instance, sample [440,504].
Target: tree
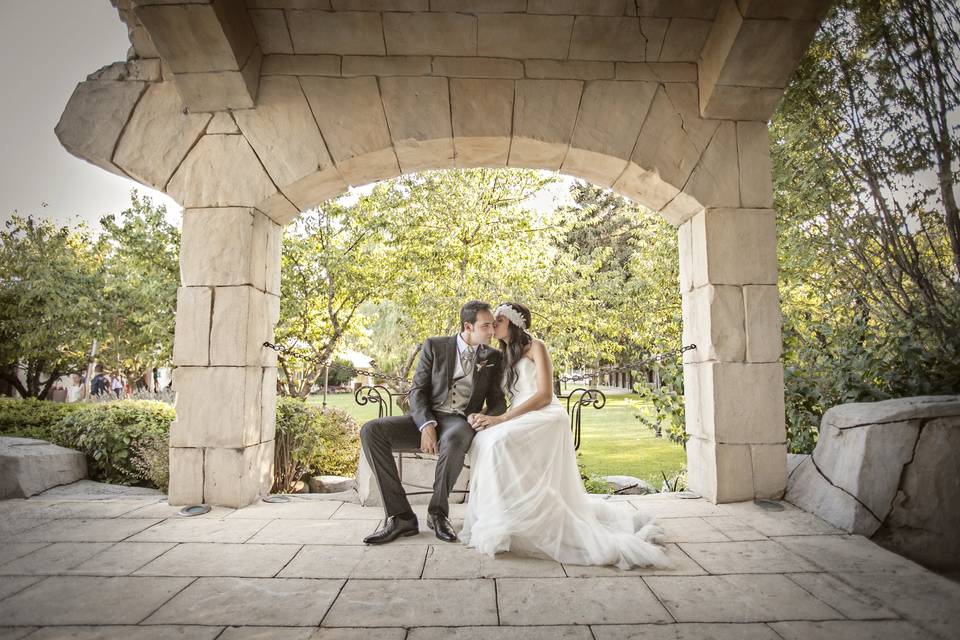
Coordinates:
[865,147]
[50,296]
[140,280]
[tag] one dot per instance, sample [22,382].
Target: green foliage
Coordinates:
[151,458]
[140,280]
[665,401]
[592,483]
[869,243]
[310,439]
[32,418]
[107,431]
[50,296]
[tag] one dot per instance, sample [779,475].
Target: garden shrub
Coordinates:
[32,418]
[315,440]
[108,433]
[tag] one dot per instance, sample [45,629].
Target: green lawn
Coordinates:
[613,441]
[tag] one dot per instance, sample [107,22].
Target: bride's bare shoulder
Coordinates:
[536,348]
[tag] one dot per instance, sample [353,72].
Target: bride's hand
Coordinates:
[482,422]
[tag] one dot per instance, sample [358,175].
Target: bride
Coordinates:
[526,495]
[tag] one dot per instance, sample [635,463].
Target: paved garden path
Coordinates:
[130,567]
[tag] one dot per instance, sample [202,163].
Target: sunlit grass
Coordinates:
[613,441]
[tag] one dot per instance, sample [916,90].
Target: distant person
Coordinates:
[100,383]
[116,383]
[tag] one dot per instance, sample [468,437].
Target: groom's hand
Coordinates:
[428,439]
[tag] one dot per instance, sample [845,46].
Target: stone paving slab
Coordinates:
[309,633]
[164,510]
[847,630]
[58,509]
[339,561]
[846,553]
[56,558]
[754,556]
[842,597]
[221,559]
[685,631]
[457,561]
[675,507]
[500,633]
[691,529]
[15,633]
[412,603]
[87,530]
[346,532]
[72,600]
[733,528]
[249,601]
[121,559]
[11,525]
[128,632]
[738,598]
[9,585]
[790,521]
[683,565]
[13,550]
[538,601]
[924,598]
[295,509]
[200,530]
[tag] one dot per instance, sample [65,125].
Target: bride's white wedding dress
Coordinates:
[526,495]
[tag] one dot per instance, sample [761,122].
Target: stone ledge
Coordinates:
[29,466]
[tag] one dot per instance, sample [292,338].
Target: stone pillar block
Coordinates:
[720,472]
[222,406]
[769,464]
[237,477]
[191,343]
[228,246]
[713,319]
[762,312]
[687,258]
[243,318]
[186,476]
[756,170]
[734,246]
[736,402]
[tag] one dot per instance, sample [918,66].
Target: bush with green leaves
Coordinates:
[107,433]
[32,418]
[666,402]
[311,439]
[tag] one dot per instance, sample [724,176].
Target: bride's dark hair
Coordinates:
[520,340]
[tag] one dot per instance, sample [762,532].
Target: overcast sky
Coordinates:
[46,48]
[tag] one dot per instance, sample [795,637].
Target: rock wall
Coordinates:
[889,470]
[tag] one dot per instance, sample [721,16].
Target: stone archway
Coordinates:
[248,114]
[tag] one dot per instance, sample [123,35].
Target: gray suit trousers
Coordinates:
[380,437]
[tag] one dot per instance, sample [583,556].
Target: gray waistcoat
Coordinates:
[459,394]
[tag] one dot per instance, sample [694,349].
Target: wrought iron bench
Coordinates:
[387,401]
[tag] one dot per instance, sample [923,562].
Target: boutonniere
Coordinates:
[482,364]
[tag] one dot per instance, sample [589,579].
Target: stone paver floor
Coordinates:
[130,567]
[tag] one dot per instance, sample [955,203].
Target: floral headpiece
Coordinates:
[511,314]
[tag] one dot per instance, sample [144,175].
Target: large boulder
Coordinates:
[29,466]
[889,470]
[418,470]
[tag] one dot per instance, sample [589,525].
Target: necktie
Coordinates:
[466,359]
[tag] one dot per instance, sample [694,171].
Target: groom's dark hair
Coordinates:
[468,312]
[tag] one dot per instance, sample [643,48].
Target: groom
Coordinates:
[455,377]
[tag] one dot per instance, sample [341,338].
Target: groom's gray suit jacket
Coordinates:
[434,378]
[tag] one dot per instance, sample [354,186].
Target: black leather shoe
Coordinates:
[393,529]
[441,526]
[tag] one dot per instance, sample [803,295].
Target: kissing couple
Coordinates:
[526,495]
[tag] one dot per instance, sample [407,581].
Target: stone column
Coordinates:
[221,445]
[733,381]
